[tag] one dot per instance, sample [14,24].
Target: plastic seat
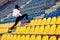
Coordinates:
[35,22]
[11,37]
[32,37]
[53,20]
[43,21]
[52,38]
[18,37]
[7,25]
[39,21]
[31,23]
[3,30]
[45,38]
[38,38]
[27,30]
[32,30]
[22,37]
[20,30]
[36,30]
[14,37]
[58,20]
[57,30]
[52,29]
[27,37]
[46,30]
[4,37]
[48,21]
[24,29]
[8,37]
[41,28]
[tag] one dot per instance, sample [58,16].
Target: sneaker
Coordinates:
[13,30]
[9,31]
[28,21]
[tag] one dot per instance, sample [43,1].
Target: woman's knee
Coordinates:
[25,14]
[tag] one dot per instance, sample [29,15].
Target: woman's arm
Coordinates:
[8,16]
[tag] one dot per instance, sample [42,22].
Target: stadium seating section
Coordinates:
[28,37]
[46,28]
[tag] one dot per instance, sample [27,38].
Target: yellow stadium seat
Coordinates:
[36,30]
[8,37]
[20,30]
[11,37]
[45,38]
[32,37]
[52,29]
[57,30]
[35,22]
[39,22]
[8,25]
[24,29]
[38,38]
[3,30]
[18,37]
[41,28]
[58,20]
[32,30]
[53,20]
[27,30]
[31,23]
[48,21]
[52,38]
[27,37]
[22,37]
[59,38]
[4,37]
[46,30]
[14,37]
[43,21]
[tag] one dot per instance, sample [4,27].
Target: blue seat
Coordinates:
[48,0]
[58,8]
[58,13]
[46,15]
[54,14]
[33,9]
[50,4]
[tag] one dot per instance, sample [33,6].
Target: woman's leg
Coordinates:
[25,15]
[16,22]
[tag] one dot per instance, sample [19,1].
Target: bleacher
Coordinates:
[46,28]
[30,8]
[28,37]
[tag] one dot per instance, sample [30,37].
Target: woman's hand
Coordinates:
[2,20]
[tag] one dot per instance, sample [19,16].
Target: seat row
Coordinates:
[28,37]
[8,25]
[46,21]
[53,29]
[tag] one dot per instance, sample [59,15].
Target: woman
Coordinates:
[16,13]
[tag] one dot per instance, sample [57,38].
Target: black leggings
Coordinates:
[18,19]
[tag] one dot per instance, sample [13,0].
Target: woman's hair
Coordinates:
[16,6]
